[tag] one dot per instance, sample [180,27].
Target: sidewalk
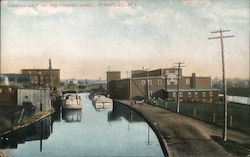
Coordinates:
[184,136]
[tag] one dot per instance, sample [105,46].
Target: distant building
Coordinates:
[163,83]
[21,80]
[4,80]
[8,95]
[113,75]
[41,78]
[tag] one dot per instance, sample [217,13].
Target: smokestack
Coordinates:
[50,75]
[193,81]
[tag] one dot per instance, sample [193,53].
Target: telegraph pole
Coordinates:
[223,75]
[147,97]
[179,65]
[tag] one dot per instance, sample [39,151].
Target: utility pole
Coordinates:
[223,75]
[179,66]
[147,98]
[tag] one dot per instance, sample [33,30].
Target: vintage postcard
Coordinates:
[125,78]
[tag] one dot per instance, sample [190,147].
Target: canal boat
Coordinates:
[72,101]
[71,86]
[102,102]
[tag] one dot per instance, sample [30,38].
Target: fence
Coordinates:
[239,99]
[238,115]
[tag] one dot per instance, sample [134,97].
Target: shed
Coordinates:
[36,97]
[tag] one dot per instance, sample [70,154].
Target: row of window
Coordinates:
[150,82]
[168,72]
[203,100]
[204,94]
[174,80]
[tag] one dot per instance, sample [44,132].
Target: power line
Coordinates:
[223,75]
[179,66]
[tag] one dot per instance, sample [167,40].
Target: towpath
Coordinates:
[184,136]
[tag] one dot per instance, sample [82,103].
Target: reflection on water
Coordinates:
[120,111]
[38,131]
[72,115]
[120,132]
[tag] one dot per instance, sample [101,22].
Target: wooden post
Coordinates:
[194,112]
[224,78]
[231,121]
[213,117]
[178,86]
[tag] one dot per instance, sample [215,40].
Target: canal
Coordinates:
[88,132]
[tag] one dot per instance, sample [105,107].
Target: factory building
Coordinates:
[163,83]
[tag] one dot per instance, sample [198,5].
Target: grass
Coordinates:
[235,148]
[238,115]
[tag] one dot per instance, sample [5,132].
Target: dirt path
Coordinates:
[185,136]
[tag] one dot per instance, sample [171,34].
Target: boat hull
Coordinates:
[72,101]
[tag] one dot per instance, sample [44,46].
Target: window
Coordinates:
[149,82]
[203,100]
[143,82]
[10,89]
[176,72]
[188,81]
[159,82]
[196,94]
[1,91]
[204,94]
[211,100]
[150,93]
[189,94]
[181,94]
[211,94]
[174,94]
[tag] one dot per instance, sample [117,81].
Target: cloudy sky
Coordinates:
[86,38]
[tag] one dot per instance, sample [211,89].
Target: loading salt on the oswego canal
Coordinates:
[86,132]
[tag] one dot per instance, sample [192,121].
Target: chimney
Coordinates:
[193,81]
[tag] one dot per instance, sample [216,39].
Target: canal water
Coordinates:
[87,132]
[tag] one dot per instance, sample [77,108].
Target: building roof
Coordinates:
[38,69]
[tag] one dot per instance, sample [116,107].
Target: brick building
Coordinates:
[8,95]
[163,83]
[21,80]
[41,78]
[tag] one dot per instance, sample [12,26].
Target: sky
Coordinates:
[86,38]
